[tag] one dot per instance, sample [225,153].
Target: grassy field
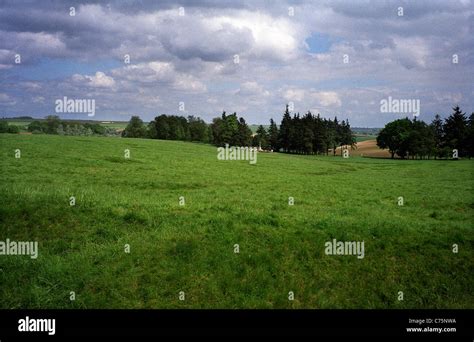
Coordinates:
[21,123]
[190,248]
[362,137]
[113,124]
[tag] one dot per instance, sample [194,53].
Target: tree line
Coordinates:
[310,134]
[54,125]
[307,134]
[416,139]
[6,128]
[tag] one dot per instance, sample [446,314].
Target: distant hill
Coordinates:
[366,130]
[20,118]
[24,121]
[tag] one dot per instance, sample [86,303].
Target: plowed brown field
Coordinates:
[368,148]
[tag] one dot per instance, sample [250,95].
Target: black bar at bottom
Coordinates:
[243,322]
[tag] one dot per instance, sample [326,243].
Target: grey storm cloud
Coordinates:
[181,41]
[98,30]
[191,58]
[373,9]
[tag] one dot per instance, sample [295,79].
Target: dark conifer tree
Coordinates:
[285,128]
[273,136]
[438,135]
[455,129]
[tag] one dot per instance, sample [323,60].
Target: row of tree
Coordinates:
[416,139]
[229,129]
[307,134]
[6,128]
[54,125]
[310,134]
[169,127]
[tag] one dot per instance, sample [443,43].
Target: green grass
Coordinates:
[113,124]
[190,248]
[360,138]
[19,122]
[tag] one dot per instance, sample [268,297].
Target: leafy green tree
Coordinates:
[60,130]
[420,140]
[228,129]
[13,129]
[96,128]
[52,124]
[162,128]
[76,129]
[231,129]
[178,128]
[151,130]
[35,127]
[198,129]
[217,129]
[394,137]
[3,126]
[134,129]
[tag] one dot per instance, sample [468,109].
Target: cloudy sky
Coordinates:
[148,57]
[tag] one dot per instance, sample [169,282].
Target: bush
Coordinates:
[3,126]
[13,129]
[6,128]
[35,127]
[135,129]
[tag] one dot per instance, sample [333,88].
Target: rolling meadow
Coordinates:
[191,248]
